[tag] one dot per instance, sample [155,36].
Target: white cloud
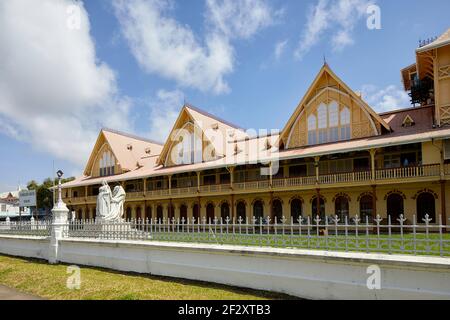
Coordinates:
[385,99]
[163,46]
[337,18]
[240,19]
[280,47]
[54,93]
[164,112]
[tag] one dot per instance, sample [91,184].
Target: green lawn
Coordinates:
[394,244]
[49,281]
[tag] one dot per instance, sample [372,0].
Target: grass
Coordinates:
[49,281]
[395,244]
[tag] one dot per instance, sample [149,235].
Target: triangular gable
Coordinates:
[128,150]
[209,126]
[327,80]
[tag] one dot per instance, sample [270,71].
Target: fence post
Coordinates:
[60,215]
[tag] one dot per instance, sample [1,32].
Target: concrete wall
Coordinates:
[302,273]
[29,247]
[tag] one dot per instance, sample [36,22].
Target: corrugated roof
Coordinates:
[422,131]
[441,41]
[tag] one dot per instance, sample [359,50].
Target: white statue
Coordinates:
[103,200]
[110,205]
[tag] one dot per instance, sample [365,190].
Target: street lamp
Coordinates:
[59,174]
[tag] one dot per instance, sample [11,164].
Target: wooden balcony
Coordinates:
[349,179]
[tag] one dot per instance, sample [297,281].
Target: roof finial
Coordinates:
[324,60]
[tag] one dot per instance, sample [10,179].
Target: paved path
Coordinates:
[12,294]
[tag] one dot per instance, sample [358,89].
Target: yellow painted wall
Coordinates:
[430,153]
[442,75]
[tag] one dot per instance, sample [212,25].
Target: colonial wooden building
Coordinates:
[335,156]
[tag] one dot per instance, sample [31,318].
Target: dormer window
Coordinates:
[107,164]
[408,122]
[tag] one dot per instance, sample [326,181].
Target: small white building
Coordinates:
[9,206]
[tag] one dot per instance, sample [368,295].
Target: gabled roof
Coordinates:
[326,71]
[441,41]
[130,151]
[205,122]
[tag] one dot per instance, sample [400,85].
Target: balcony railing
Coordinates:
[408,172]
[412,172]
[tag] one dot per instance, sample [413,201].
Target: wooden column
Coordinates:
[199,210]
[232,206]
[316,165]
[198,181]
[317,202]
[169,177]
[374,199]
[443,205]
[271,206]
[372,163]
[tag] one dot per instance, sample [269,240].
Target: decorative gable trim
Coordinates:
[310,97]
[408,122]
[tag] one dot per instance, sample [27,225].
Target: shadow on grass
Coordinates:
[200,284]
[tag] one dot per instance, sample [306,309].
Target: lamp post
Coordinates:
[60,219]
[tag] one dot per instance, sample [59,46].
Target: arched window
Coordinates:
[241,214]
[171,212]
[328,124]
[128,214]
[225,211]
[277,211]
[258,211]
[366,207]
[395,207]
[333,122]
[296,210]
[341,208]
[426,206]
[345,124]
[210,213]
[196,213]
[314,210]
[188,147]
[106,164]
[183,213]
[138,213]
[159,214]
[312,130]
[148,213]
[322,116]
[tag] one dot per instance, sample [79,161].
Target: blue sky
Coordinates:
[130,65]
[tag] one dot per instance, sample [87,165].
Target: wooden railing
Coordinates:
[345,177]
[284,183]
[408,172]
[447,169]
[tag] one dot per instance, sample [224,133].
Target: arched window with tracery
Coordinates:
[329,124]
[106,164]
[312,130]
